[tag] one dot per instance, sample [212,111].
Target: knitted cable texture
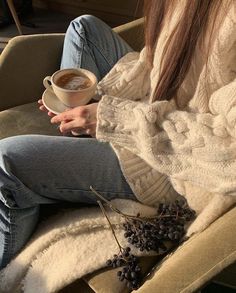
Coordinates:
[186,145]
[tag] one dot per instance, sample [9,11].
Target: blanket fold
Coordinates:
[68,246]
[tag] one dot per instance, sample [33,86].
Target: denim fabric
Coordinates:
[37,170]
[91,44]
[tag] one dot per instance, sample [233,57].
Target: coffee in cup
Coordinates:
[73,87]
[73,81]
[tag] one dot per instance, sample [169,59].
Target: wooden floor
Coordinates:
[45,21]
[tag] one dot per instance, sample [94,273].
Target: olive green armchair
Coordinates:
[208,255]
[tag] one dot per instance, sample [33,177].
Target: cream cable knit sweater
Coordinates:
[192,146]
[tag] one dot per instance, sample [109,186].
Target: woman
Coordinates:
[165,121]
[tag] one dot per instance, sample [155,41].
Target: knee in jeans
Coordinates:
[85,20]
[5,145]
[8,145]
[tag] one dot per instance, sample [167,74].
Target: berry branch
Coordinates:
[108,220]
[147,234]
[110,205]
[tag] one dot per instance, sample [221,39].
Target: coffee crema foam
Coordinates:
[73,81]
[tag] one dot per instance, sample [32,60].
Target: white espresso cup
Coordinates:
[72,97]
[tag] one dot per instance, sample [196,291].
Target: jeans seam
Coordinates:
[100,51]
[15,188]
[10,240]
[80,54]
[89,191]
[82,34]
[82,47]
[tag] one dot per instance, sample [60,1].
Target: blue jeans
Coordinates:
[38,170]
[91,44]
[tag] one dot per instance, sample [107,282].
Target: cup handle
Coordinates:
[47,82]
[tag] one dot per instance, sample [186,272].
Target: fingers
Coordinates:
[62,117]
[66,127]
[91,132]
[73,126]
[76,113]
[51,114]
[41,106]
[80,131]
[79,119]
[44,109]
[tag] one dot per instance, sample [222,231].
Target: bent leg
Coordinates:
[38,170]
[93,45]
[16,227]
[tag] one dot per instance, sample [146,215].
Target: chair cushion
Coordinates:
[198,260]
[79,286]
[190,267]
[187,269]
[106,280]
[25,119]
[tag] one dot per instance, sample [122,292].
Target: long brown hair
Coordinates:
[198,15]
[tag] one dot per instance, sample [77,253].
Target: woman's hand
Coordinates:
[80,120]
[44,109]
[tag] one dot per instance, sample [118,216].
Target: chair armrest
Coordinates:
[198,260]
[26,60]
[24,63]
[132,33]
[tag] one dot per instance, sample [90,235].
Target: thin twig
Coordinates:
[113,232]
[118,211]
[129,216]
[108,203]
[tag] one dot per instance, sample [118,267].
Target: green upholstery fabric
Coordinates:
[227,276]
[132,33]
[25,119]
[23,64]
[80,286]
[105,280]
[26,60]
[187,269]
[198,260]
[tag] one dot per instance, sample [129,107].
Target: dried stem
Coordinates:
[126,215]
[115,209]
[108,220]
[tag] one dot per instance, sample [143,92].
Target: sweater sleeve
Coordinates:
[196,147]
[128,79]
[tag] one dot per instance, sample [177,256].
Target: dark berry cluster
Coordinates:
[167,226]
[130,272]
[148,234]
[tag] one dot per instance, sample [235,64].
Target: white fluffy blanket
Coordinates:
[77,242]
[67,247]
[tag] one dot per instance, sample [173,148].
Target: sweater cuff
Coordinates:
[116,121]
[124,122]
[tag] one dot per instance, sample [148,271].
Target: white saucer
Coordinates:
[52,103]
